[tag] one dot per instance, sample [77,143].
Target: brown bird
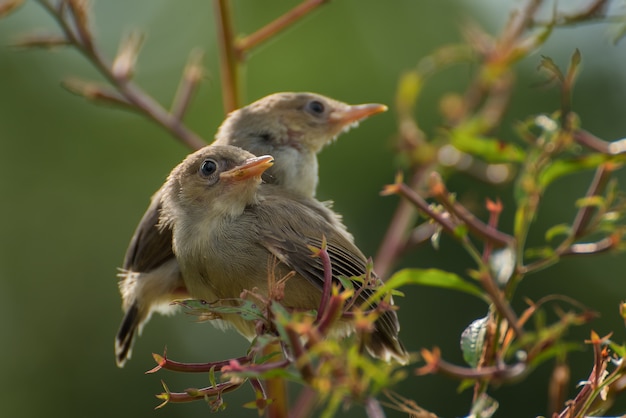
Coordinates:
[227,225]
[293,127]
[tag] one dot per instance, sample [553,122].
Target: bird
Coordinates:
[293,127]
[227,224]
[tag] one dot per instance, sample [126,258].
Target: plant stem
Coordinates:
[274,27]
[276,387]
[141,101]
[395,237]
[229,65]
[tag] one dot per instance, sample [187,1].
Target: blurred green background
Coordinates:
[75,179]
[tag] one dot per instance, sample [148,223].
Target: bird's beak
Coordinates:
[252,167]
[356,113]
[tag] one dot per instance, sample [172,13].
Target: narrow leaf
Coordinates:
[489,149]
[433,278]
[561,168]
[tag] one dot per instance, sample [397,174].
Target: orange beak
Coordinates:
[252,167]
[356,113]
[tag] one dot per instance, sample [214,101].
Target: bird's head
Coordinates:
[213,181]
[303,121]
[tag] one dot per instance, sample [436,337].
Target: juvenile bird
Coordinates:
[227,225]
[293,127]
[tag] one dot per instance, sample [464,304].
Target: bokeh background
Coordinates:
[76,177]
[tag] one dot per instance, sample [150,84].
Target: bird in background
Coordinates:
[227,227]
[293,127]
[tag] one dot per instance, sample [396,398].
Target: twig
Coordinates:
[479,228]
[591,141]
[584,214]
[595,10]
[304,404]
[373,408]
[395,240]
[276,387]
[191,395]
[274,27]
[229,67]
[81,39]
[519,23]
[501,303]
[164,363]
[192,76]
[500,373]
[232,51]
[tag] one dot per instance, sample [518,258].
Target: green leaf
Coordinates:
[489,149]
[212,378]
[573,69]
[484,407]
[549,65]
[460,231]
[431,277]
[409,89]
[620,350]
[558,349]
[465,384]
[472,341]
[595,201]
[560,168]
[346,283]
[556,230]
[539,252]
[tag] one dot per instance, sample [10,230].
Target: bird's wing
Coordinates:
[150,246]
[292,248]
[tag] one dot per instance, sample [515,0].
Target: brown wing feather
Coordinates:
[150,246]
[280,238]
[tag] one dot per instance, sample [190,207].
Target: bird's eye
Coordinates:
[208,167]
[316,107]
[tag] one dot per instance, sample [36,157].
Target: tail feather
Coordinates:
[126,334]
[384,343]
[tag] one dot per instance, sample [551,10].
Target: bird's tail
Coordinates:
[126,334]
[384,343]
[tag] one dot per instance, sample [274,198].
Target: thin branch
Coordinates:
[596,10]
[143,102]
[395,239]
[164,363]
[305,403]
[591,141]
[501,303]
[191,395]
[500,373]
[422,205]
[475,225]
[276,387]
[373,408]
[592,248]
[518,24]
[274,27]
[584,214]
[189,83]
[229,65]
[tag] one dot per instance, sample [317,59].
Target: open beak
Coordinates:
[252,167]
[356,113]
